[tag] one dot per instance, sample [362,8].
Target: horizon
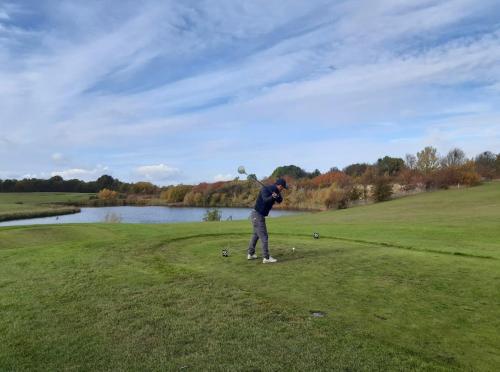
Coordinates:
[175,93]
[244,177]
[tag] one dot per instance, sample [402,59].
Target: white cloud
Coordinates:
[230,75]
[82,173]
[4,15]
[59,158]
[224,177]
[159,172]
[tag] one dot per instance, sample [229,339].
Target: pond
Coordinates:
[141,215]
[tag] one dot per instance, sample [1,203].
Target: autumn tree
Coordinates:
[486,164]
[105,182]
[143,188]
[356,169]
[411,161]
[454,158]
[427,160]
[175,194]
[390,166]
[106,194]
[290,170]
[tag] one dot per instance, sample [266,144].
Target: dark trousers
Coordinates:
[259,232]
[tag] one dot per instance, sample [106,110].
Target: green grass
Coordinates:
[411,284]
[38,204]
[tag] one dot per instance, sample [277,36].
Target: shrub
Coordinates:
[143,188]
[112,217]
[106,194]
[382,189]
[297,197]
[330,178]
[355,193]
[468,176]
[410,179]
[337,198]
[471,179]
[175,194]
[212,215]
[464,174]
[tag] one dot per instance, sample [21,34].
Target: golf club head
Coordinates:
[241,170]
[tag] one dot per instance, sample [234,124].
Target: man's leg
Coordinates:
[255,236]
[262,234]
[253,243]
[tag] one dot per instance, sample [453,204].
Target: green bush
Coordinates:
[382,189]
[212,215]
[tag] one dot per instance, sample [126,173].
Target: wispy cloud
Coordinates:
[158,172]
[204,87]
[3,15]
[81,173]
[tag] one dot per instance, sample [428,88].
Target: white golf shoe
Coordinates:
[269,260]
[252,257]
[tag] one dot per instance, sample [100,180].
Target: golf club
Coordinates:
[241,170]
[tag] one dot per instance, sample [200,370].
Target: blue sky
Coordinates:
[186,91]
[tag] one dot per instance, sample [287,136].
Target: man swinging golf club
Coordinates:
[268,195]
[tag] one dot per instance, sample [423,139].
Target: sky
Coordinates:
[186,91]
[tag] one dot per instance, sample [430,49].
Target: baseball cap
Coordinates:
[282,182]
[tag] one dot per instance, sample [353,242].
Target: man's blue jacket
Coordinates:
[265,200]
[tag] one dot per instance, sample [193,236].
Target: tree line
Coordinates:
[355,183]
[58,184]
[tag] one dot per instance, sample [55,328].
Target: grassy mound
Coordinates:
[16,206]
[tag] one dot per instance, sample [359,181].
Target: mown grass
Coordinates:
[15,206]
[396,294]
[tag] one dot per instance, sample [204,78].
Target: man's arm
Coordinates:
[279,198]
[267,195]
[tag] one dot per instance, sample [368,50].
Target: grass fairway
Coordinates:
[15,206]
[412,284]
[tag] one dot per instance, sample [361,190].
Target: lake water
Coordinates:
[141,215]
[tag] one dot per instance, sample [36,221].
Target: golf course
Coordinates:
[408,284]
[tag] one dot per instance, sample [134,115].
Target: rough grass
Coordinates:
[410,284]
[14,206]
